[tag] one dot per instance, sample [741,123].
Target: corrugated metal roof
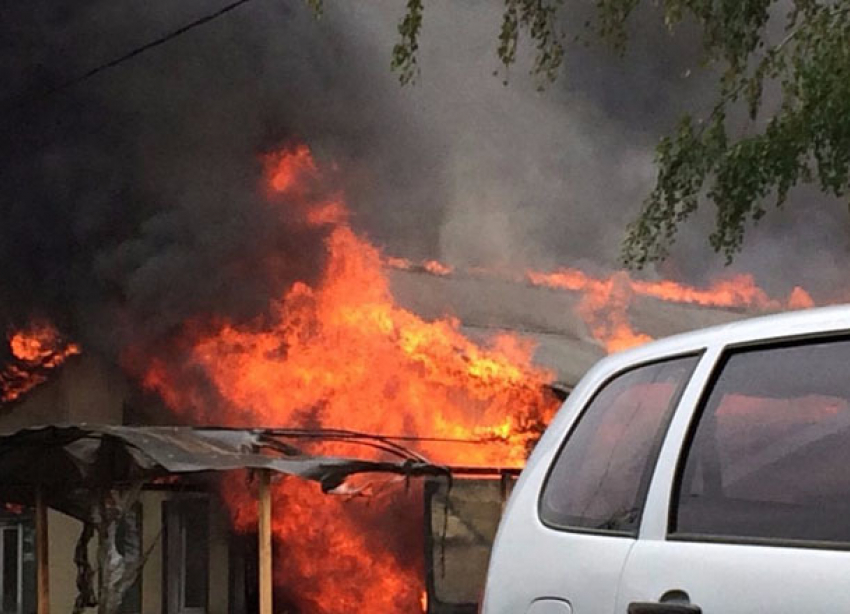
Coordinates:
[66,460]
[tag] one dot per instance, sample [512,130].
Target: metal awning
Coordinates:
[81,469]
[67,460]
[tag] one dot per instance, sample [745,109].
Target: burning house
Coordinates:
[98,475]
[174,255]
[445,539]
[463,367]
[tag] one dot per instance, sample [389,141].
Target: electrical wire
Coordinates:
[131,54]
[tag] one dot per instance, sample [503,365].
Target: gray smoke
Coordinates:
[132,201]
[546,180]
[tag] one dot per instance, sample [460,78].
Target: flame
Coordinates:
[399,263]
[800,299]
[340,554]
[36,349]
[349,357]
[736,291]
[604,306]
[437,268]
[346,354]
[434,267]
[343,354]
[604,301]
[288,168]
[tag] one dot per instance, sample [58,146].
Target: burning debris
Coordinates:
[35,351]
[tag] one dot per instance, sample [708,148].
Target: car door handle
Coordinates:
[649,607]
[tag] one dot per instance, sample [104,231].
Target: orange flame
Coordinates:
[289,167]
[343,354]
[340,554]
[434,267]
[437,268]
[399,263]
[800,299]
[604,301]
[604,305]
[37,349]
[737,291]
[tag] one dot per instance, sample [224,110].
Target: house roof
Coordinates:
[548,316]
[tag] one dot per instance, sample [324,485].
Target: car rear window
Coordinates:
[770,455]
[599,479]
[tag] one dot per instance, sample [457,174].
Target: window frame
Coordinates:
[650,469]
[174,569]
[726,352]
[16,527]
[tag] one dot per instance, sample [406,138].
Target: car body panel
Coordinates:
[530,561]
[549,606]
[738,579]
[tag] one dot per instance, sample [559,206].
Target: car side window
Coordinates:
[599,479]
[769,457]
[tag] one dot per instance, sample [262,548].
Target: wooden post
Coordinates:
[41,538]
[265,545]
[504,483]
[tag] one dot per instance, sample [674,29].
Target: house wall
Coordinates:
[459,535]
[63,532]
[85,389]
[152,597]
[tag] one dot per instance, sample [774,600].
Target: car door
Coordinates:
[574,514]
[750,506]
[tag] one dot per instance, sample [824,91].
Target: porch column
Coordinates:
[265,545]
[41,539]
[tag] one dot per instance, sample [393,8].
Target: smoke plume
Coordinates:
[132,201]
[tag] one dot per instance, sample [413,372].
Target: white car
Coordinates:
[708,472]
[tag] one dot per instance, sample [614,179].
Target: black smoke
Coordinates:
[132,201]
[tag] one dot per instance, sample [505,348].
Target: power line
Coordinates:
[137,51]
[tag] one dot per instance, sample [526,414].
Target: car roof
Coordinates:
[786,325]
